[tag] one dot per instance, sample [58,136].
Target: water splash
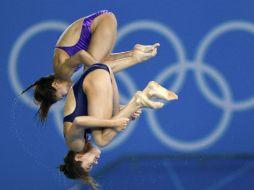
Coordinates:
[61,181]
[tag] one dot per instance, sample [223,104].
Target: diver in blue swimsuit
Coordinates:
[86,41]
[88,113]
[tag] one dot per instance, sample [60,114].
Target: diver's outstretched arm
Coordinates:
[93,122]
[137,57]
[126,54]
[120,55]
[117,62]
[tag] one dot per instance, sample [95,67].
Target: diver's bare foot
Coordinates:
[146,48]
[142,101]
[154,90]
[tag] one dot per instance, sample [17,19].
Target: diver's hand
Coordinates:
[136,114]
[120,123]
[146,48]
[141,56]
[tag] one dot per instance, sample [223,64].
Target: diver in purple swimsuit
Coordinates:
[87,41]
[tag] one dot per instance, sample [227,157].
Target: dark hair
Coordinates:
[73,169]
[44,95]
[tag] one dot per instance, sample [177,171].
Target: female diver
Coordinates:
[92,107]
[86,41]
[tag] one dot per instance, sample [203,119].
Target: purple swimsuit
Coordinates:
[85,35]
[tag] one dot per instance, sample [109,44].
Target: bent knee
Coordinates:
[108,22]
[110,17]
[98,78]
[99,141]
[101,144]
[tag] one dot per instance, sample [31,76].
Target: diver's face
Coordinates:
[62,87]
[89,159]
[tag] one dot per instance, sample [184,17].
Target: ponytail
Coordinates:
[44,95]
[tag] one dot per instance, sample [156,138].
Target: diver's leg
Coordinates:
[98,88]
[104,31]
